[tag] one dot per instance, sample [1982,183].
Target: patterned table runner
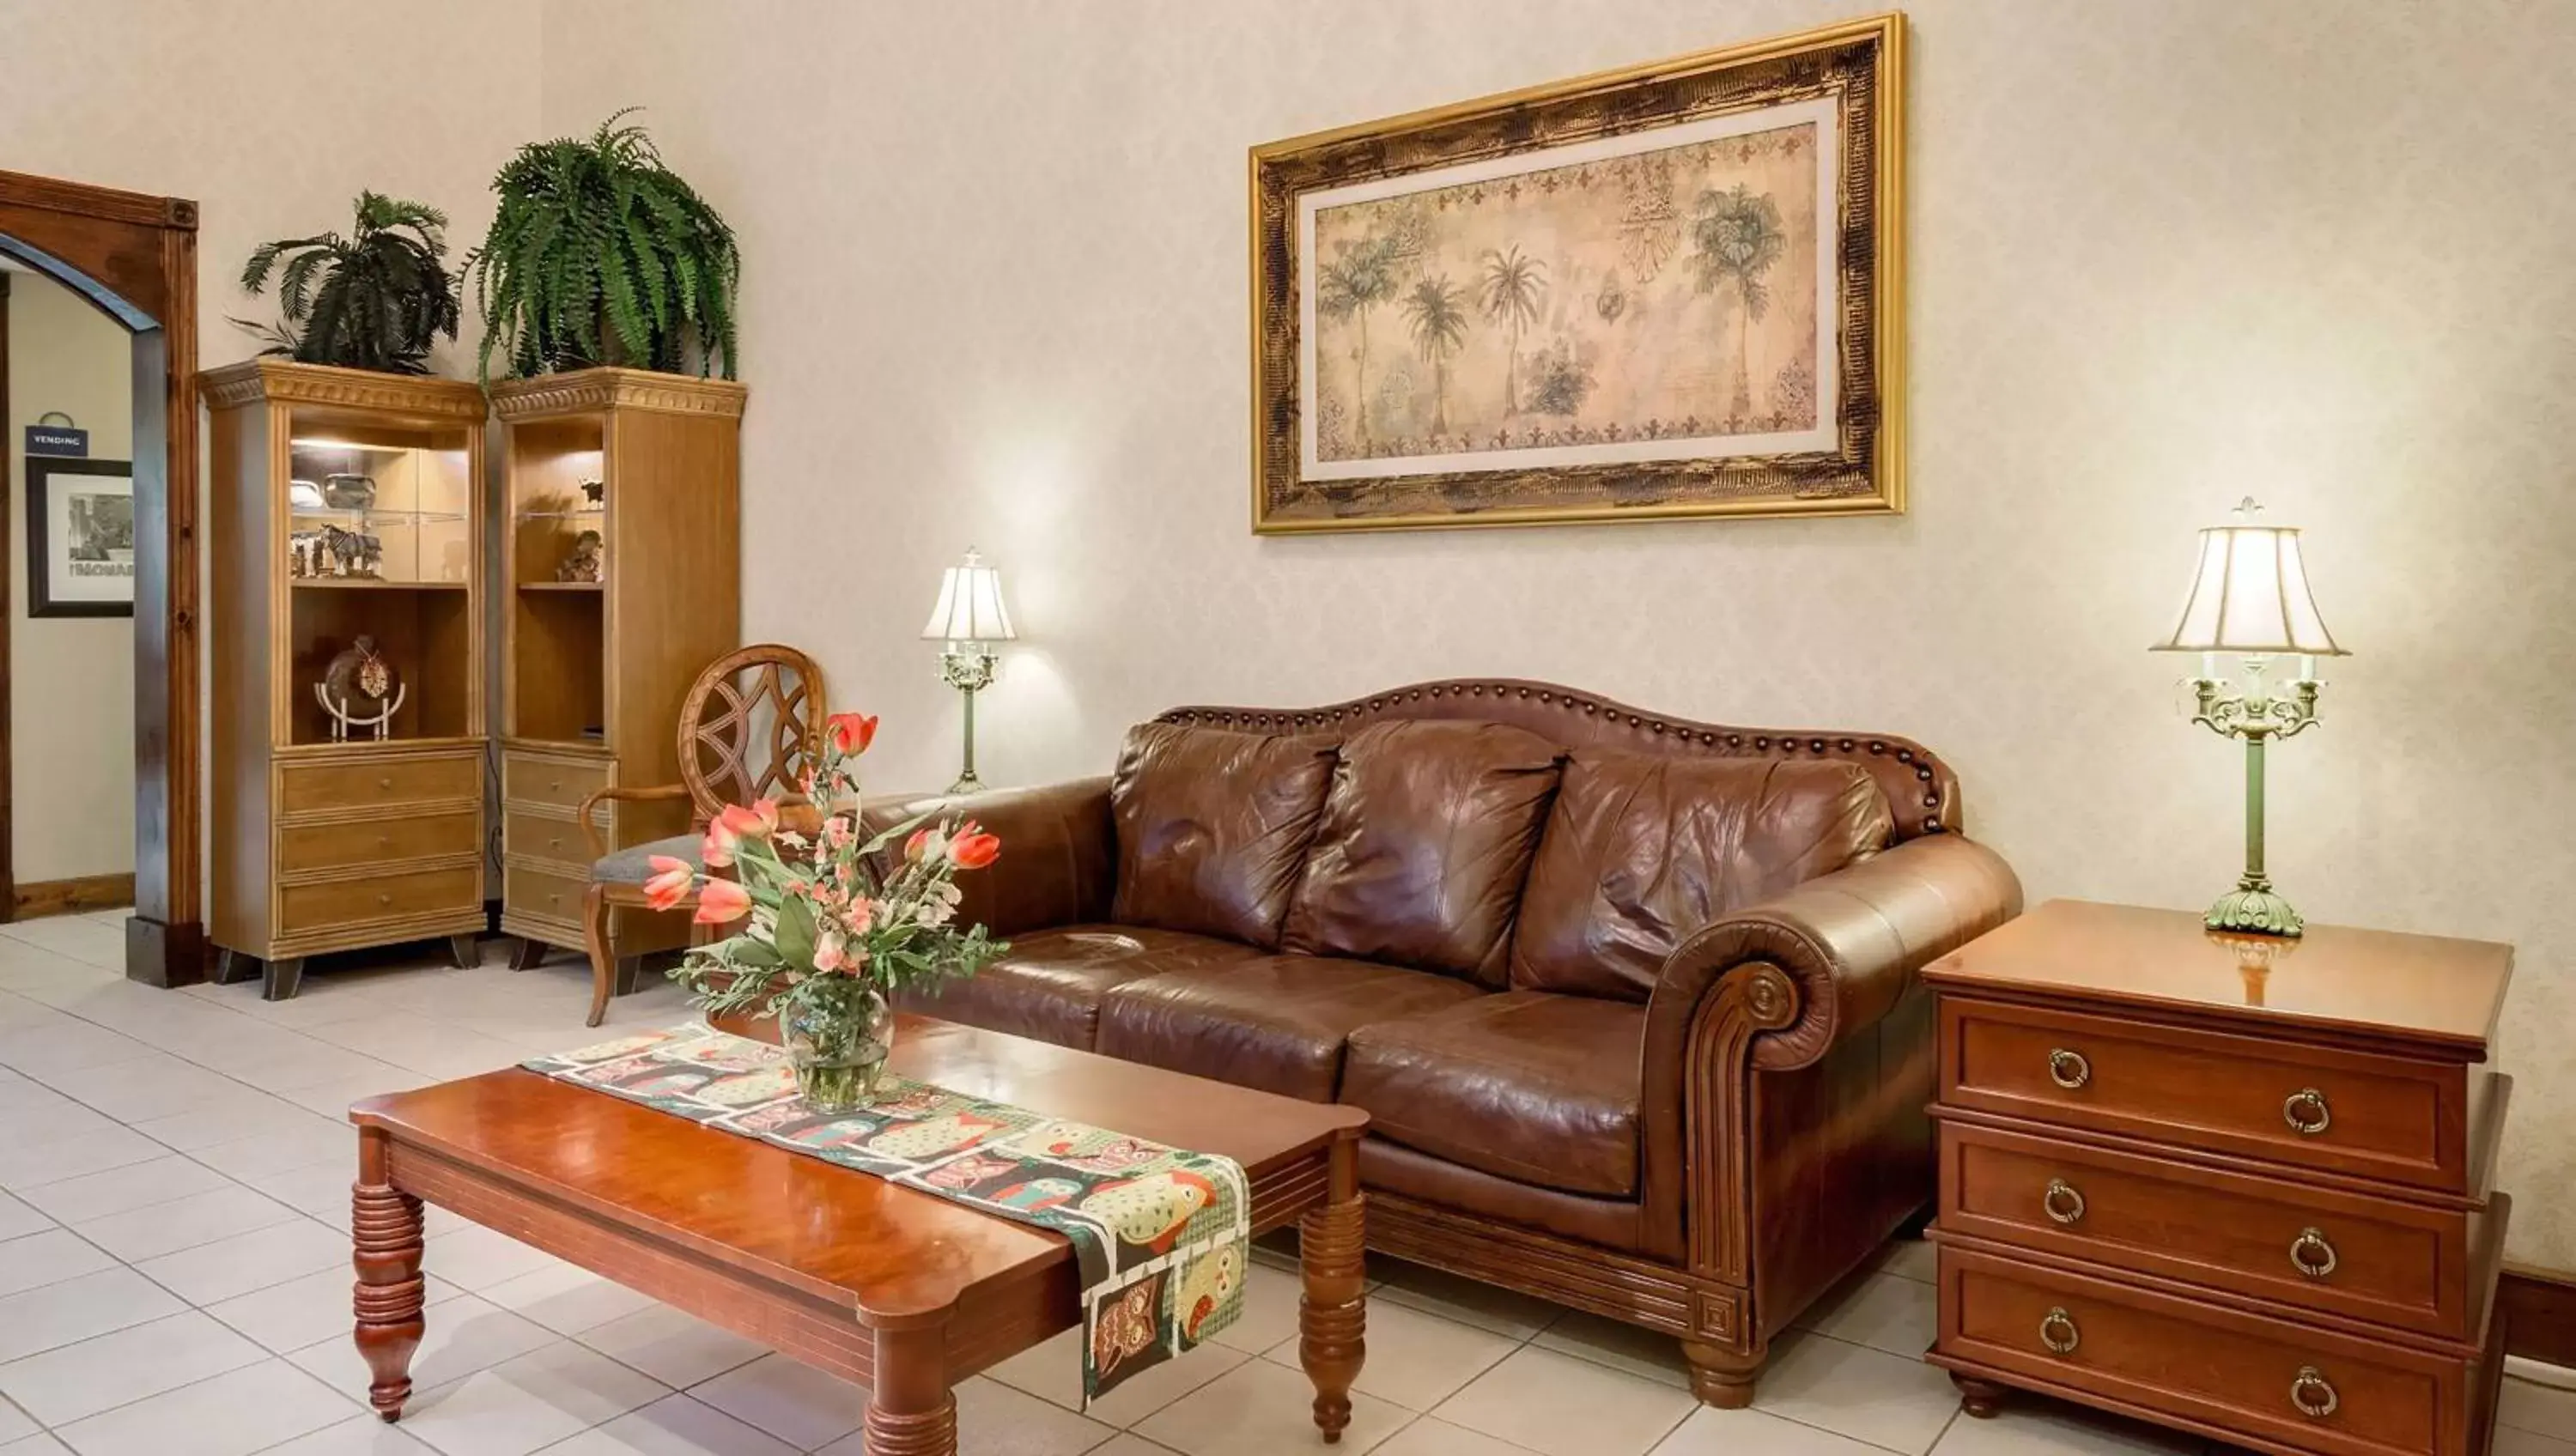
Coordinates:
[1159,1235]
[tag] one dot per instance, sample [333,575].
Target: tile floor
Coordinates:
[174,1282]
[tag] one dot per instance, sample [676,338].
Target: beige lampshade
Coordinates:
[970,605]
[2250,595]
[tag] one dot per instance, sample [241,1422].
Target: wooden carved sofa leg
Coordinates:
[1721,1377]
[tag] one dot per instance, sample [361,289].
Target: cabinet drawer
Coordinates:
[2303,1106]
[379,897]
[332,846]
[558,782]
[344,784]
[527,834]
[543,894]
[2320,1249]
[2241,1374]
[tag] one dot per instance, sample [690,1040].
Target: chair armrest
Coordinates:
[1059,861]
[1849,944]
[657,793]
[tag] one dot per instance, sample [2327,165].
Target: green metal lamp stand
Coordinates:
[967,667]
[969,619]
[2258,718]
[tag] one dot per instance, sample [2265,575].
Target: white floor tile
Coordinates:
[1563,1406]
[217,1271]
[62,1385]
[155,1086]
[331,1098]
[1910,1259]
[796,1403]
[318,1140]
[1755,1433]
[31,1261]
[365,1435]
[313,1188]
[39,1444]
[569,1299]
[460,1336]
[2509,1441]
[14,1423]
[995,1420]
[1269,1310]
[1653,1354]
[527,1403]
[1052,1371]
[2032,1425]
[17,1220]
[1264,1409]
[1883,1311]
[25,1166]
[302,1312]
[1128,1444]
[675,1425]
[231,1122]
[61,1048]
[477,1258]
[1416,1360]
[1430,1437]
[160,1179]
[2543,1410]
[1438,1292]
[53,1123]
[76,1309]
[1851,1390]
[166,1228]
[232,1414]
[673,1346]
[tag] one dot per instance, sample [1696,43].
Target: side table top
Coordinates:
[2430,990]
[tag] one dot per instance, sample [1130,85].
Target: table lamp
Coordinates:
[2250,597]
[970,617]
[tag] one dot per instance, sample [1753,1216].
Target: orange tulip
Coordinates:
[972,848]
[925,843]
[722,901]
[670,882]
[716,850]
[850,732]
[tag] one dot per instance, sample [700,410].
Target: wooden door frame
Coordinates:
[134,257]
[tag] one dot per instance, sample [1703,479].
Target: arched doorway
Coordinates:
[134,257]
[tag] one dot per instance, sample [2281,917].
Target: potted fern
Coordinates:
[599,254]
[375,299]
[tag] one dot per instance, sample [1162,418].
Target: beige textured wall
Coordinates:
[2165,252]
[71,751]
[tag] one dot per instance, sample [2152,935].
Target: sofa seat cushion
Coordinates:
[1536,1088]
[1425,842]
[1050,985]
[1213,827]
[1277,1023]
[1641,851]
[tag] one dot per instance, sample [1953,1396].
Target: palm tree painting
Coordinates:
[1359,278]
[1437,313]
[1736,237]
[1513,288]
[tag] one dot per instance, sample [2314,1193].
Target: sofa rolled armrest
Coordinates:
[1059,861]
[1849,944]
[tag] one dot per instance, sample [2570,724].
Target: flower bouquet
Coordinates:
[832,923]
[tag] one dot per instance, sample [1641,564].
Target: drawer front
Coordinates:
[557,782]
[379,897]
[339,784]
[2303,1106]
[528,834]
[2321,1249]
[542,894]
[2247,1375]
[333,846]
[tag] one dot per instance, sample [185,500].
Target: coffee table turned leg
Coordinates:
[910,1409]
[1332,1317]
[384,1239]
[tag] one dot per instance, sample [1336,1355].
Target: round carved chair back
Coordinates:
[751,728]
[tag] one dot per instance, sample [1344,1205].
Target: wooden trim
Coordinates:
[2539,1310]
[134,257]
[8,745]
[65,897]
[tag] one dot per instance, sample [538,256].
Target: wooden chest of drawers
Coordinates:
[545,857]
[2240,1186]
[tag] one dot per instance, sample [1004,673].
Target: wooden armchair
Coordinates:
[752,727]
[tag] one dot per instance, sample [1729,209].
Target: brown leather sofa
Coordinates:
[1630,1000]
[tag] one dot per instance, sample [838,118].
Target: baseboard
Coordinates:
[65,897]
[2539,1310]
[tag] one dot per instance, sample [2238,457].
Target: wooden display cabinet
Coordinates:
[343,505]
[595,671]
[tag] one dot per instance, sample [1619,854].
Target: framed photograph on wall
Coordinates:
[80,537]
[1672,290]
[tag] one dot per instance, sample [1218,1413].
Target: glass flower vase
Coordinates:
[840,1049]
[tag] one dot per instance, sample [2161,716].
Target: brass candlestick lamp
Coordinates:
[2250,596]
[970,618]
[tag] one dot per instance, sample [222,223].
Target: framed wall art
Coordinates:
[80,537]
[1673,290]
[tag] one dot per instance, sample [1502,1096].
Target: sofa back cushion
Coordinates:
[1425,844]
[1642,850]
[1213,827]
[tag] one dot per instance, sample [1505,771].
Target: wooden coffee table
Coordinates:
[893,1288]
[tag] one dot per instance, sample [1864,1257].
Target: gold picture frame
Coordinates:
[1673,290]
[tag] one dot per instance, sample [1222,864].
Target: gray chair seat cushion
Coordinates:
[633,865]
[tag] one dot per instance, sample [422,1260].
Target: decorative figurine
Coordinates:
[357,679]
[587,561]
[349,492]
[304,495]
[594,494]
[350,553]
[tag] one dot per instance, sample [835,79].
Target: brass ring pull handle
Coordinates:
[2069,1069]
[2061,1202]
[2306,1112]
[2312,1395]
[2057,1331]
[2311,1255]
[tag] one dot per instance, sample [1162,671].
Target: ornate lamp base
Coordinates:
[2252,909]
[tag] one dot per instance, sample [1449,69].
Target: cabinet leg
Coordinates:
[1721,1377]
[529,952]
[232,968]
[630,972]
[463,950]
[1980,1398]
[283,978]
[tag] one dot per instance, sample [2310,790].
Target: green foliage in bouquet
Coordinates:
[376,299]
